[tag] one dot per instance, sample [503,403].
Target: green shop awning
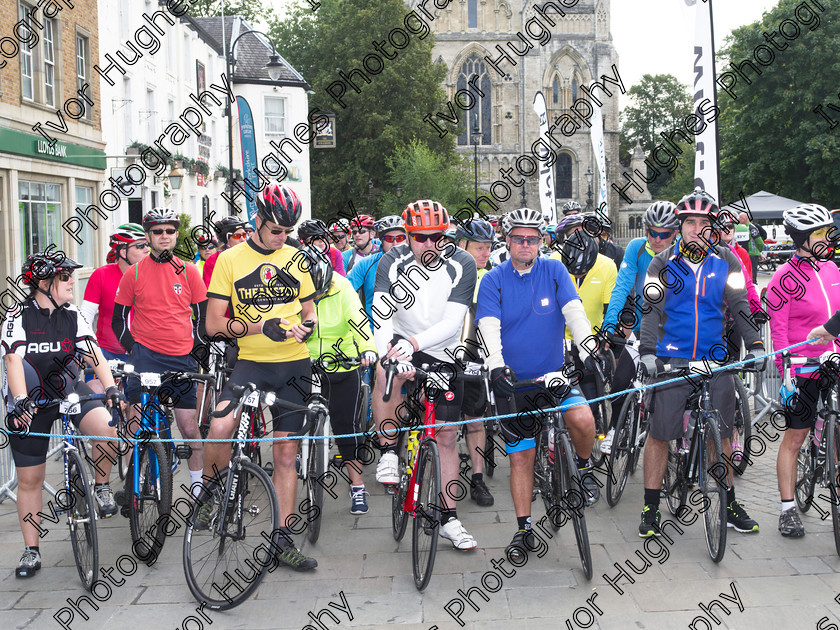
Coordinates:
[35,146]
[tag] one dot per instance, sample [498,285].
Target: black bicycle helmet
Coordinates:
[280,204]
[476,230]
[313,229]
[45,265]
[160,216]
[228,225]
[320,268]
[580,251]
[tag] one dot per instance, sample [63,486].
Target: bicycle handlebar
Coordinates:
[424,373]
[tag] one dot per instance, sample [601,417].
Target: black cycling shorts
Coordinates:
[474,403]
[181,393]
[801,413]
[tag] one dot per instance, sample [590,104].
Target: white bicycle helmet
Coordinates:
[523,218]
[807,217]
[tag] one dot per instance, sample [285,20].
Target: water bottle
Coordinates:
[551,445]
[818,429]
[411,449]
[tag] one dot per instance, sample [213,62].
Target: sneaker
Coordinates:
[480,494]
[358,503]
[29,563]
[591,490]
[737,517]
[606,443]
[292,557]
[517,550]
[387,470]
[455,532]
[790,525]
[207,508]
[650,521]
[105,504]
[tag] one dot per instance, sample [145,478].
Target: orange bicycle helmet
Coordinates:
[425,214]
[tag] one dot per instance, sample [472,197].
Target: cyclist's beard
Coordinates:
[161,255]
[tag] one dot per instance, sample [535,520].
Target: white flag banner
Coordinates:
[597,136]
[706,157]
[547,202]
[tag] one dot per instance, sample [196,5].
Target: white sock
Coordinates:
[195,481]
[788,505]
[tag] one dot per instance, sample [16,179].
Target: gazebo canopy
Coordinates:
[765,205]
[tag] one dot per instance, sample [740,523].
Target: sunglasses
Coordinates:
[662,235]
[64,276]
[422,238]
[140,246]
[338,235]
[279,232]
[210,246]
[395,238]
[821,233]
[360,231]
[239,235]
[529,240]
[168,231]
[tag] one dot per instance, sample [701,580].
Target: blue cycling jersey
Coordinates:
[631,278]
[362,276]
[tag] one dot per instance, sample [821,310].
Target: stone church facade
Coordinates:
[468,37]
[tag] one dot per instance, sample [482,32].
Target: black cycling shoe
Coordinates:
[650,521]
[481,494]
[292,557]
[517,550]
[591,491]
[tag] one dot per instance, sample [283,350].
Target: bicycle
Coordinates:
[693,460]
[742,424]
[419,477]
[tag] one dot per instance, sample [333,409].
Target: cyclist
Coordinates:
[340,233]
[390,231]
[167,300]
[425,330]
[313,233]
[792,318]
[528,300]
[336,303]
[754,240]
[48,332]
[476,237]
[267,289]
[607,247]
[206,247]
[571,207]
[128,247]
[362,231]
[624,313]
[230,231]
[695,282]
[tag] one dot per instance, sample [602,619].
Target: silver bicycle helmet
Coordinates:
[660,214]
[523,218]
[388,223]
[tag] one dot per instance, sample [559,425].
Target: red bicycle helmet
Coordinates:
[425,214]
[362,221]
[280,204]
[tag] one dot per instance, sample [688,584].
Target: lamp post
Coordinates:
[370,196]
[589,189]
[274,67]
[476,140]
[399,196]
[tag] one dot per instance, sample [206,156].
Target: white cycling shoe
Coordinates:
[455,533]
[606,443]
[387,471]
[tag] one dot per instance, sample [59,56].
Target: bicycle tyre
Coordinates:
[832,452]
[399,517]
[640,445]
[565,468]
[674,484]
[82,521]
[424,535]
[743,424]
[155,501]
[544,477]
[207,555]
[714,492]
[806,468]
[315,469]
[622,450]
[489,447]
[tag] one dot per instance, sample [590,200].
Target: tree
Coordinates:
[252,10]
[771,139]
[660,103]
[387,112]
[681,182]
[423,174]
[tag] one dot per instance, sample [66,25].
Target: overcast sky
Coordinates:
[655,36]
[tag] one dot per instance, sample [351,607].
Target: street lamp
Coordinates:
[589,190]
[370,196]
[475,140]
[399,196]
[176,177]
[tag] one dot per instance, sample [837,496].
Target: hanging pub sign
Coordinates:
[325,138]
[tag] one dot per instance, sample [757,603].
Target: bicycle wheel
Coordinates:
[489,456]
[710,467]
[82,521]
[743,426]
[674,485]
[544,477]
[399,517]
[236,542]
[806,472]
[639,437]
[153,501]
[365,419]
[424,535]
[622,450]
[571,500]
[315,469]
[832,456]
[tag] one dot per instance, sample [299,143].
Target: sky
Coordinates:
[654,36]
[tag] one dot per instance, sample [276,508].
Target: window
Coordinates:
[555,91]
[472,14]
[475,78]
[49,62]
[574,89]
[82,57]
[87,250]
[563,176]
[27,87]
[275,116]
[40,215]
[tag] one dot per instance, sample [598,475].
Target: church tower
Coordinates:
[498,55]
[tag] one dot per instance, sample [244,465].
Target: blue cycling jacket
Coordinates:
[631,278]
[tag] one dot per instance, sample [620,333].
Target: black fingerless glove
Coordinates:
[271,329]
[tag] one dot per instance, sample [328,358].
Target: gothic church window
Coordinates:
[479,114]
[563,176]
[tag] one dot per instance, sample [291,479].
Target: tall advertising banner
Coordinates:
[597,136]
[249,156]
[706,158]
[547,202]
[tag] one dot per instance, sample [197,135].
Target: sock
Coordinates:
[356,488]
[652,496]
[446,515]
[195,482]
[99,485]
[477,477]
[788,505]
[283,537]
[730,495]
[582,462]
[34,548]
[388,448]
[524,523]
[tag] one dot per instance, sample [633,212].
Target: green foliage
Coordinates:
[771,139]
[423,174]
[681,181]
[660,103]
[185,244]
[386,114]
[252,10]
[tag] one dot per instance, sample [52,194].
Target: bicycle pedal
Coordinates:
[183,451]
[390,488]
[269,468]
[125,511]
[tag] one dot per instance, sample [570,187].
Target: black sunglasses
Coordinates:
[422,238]
[159,231]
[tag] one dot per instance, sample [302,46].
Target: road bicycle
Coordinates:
[246,513]
[418,490]
[696,459]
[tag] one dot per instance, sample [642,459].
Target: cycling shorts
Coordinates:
[474,403]
[289,380]
[802,412]
[668,405]
[518,432]
[147,360]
